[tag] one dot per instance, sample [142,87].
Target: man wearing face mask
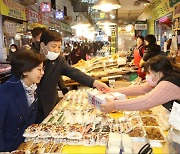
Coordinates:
[36,35]
[55,66]
[162,87]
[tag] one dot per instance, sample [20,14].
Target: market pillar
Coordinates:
[2,48]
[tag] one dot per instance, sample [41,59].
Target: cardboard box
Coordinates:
[96,98]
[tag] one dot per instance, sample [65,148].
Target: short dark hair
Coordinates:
[24,61]
[141,37]
[159,63]
[14,45]
[50,35]
[36,31]
[151,39]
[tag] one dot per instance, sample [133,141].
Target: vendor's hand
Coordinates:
[101,86]
[107,107]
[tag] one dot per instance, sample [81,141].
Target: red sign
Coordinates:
[45,7]
[33,16]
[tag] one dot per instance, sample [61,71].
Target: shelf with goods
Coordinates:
[102,68]
[74,125]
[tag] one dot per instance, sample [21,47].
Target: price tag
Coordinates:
[174,118]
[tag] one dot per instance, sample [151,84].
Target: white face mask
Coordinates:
[51,55]
[150,81]
[13,50]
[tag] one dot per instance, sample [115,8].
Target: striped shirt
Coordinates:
[164,92]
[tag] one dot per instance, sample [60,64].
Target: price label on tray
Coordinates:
[174,118]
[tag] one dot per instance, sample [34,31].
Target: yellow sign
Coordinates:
[12,9]
[157,9]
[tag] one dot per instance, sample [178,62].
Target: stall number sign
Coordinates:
[174,118]
[140,26]
[33,16]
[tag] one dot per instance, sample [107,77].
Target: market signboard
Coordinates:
[33,16]
[12,9]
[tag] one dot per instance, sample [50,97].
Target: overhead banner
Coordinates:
[12,9]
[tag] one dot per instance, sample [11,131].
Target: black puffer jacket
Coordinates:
[151,50]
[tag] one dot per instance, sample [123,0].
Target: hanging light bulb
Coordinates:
[129,28]
[107,5]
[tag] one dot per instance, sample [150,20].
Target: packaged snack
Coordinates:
[48,146]
[37,147]
[75,131]
[32,131]
[46,130]
[57,148]
[18,152]
[89,139]
[59,132]
[102,139]
[25,146]
[96,98]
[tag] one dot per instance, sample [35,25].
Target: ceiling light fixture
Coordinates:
[79,23]
[107,21]
[107,5]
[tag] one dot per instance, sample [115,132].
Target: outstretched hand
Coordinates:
[107,107]
[101,86]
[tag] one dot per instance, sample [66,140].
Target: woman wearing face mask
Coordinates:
[162,87]
[12,50]
[55,66]
[18,100]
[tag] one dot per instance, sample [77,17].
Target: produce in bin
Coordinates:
[149,121]
[135,121]
[154,133]
[137,132]
[146,112]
